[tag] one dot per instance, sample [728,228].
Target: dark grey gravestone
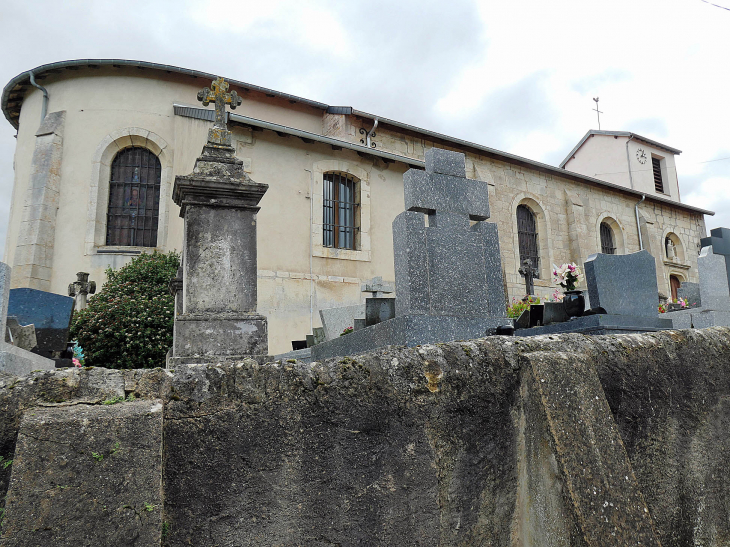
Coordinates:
[359,324]
[523,321]
[536,315]
[378,310]
[623,284]
[448,274]
[690,291]
[445,162]
[719,240]
[50,313]
[602,324]
[553,312]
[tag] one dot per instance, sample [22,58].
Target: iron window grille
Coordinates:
[339,211]
[134,199]
[608,245]
[656,166]
[527,236]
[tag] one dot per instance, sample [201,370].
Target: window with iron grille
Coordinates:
[607,243]
[134,199]
[340,211]
[527,236]
[656,166]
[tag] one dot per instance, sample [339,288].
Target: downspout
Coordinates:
[638,224]
[371,133]
[311,246]
[44,106]
[628,163]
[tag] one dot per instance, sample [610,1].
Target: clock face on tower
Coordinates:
[641,156]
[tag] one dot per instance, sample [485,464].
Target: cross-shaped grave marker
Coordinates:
[219,133]
[80,289]
[376,287]
[449,267]
[719,240]
[528,272]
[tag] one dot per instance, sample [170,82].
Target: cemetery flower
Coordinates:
[347,330]
[567,276]
[76,362]
[515,309]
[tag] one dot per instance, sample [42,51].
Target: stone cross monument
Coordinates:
[80,289]
[219,133]
[219,202]
[449,267]
[528,272]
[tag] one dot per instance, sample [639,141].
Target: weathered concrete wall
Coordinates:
[547,441]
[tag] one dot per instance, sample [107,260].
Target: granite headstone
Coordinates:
[623,284]
[448,271]
[50,313]
[714,286]
[15,360]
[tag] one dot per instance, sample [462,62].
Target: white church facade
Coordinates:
[100,141]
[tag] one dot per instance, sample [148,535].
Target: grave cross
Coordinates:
[376,287]
[528,272]
[221,98]
[719,240]
[80,289]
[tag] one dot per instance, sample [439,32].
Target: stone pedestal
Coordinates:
[218,319]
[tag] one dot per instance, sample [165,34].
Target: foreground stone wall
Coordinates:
[548,441]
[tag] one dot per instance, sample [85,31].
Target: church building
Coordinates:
[99,143]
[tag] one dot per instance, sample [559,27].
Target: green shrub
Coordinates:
[129,323]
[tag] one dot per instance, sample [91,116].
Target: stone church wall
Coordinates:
[549,441]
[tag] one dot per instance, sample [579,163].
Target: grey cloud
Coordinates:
[592,84]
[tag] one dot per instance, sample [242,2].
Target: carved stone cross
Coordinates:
[80,289]
[218,95]
[528,272]
[219,134]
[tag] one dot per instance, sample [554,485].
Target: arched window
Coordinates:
[340,211]
[134,199]
[527,237]
[608,245]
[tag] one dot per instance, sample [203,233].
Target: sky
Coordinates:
[515,76]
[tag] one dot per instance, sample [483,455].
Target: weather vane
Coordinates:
[598,112]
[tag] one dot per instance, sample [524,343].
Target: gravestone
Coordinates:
[448,273]
[335,320]
[14,360]
[714,287]
[21,336]
[378,310]
[690,292]
[50,313]
[218,202]
[622,286]
[80,289]
[719,240]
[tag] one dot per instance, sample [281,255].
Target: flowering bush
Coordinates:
[515,309]
[567,276]
[128,324]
